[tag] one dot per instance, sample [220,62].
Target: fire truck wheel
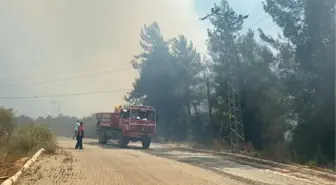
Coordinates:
[146,143]
[123,142]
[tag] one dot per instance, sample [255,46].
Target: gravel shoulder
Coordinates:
[240,170]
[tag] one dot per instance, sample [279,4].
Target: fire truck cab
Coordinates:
[128,124]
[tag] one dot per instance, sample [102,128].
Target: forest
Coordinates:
[285,85]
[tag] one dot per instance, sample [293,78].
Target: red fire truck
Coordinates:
[130,124]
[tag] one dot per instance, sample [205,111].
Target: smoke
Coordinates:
[42,40]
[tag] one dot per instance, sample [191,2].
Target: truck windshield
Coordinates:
[142,114]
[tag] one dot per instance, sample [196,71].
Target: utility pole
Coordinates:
[237,135]
[236,127]
[58,103]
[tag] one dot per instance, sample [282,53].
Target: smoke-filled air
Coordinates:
[254,77]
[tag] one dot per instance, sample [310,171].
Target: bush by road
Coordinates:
[18,143]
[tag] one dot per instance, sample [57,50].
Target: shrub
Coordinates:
[6,124]
[18,141]
[30,138]
[278,152]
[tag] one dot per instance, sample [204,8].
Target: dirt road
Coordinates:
[160,165]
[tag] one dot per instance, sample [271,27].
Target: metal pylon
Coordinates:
[236,127]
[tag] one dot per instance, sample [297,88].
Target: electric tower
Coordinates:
[236,126]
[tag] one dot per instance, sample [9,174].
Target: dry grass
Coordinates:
[20,142]
[29,139]
[276,152]
[25,141]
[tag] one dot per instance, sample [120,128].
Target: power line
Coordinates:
[93,74]
[255,23]
[267,26]
[97,64]
[76,68]
[70,78]
[61,95]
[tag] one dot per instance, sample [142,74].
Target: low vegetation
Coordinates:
[18,142]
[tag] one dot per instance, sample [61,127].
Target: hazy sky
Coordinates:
[43,43]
